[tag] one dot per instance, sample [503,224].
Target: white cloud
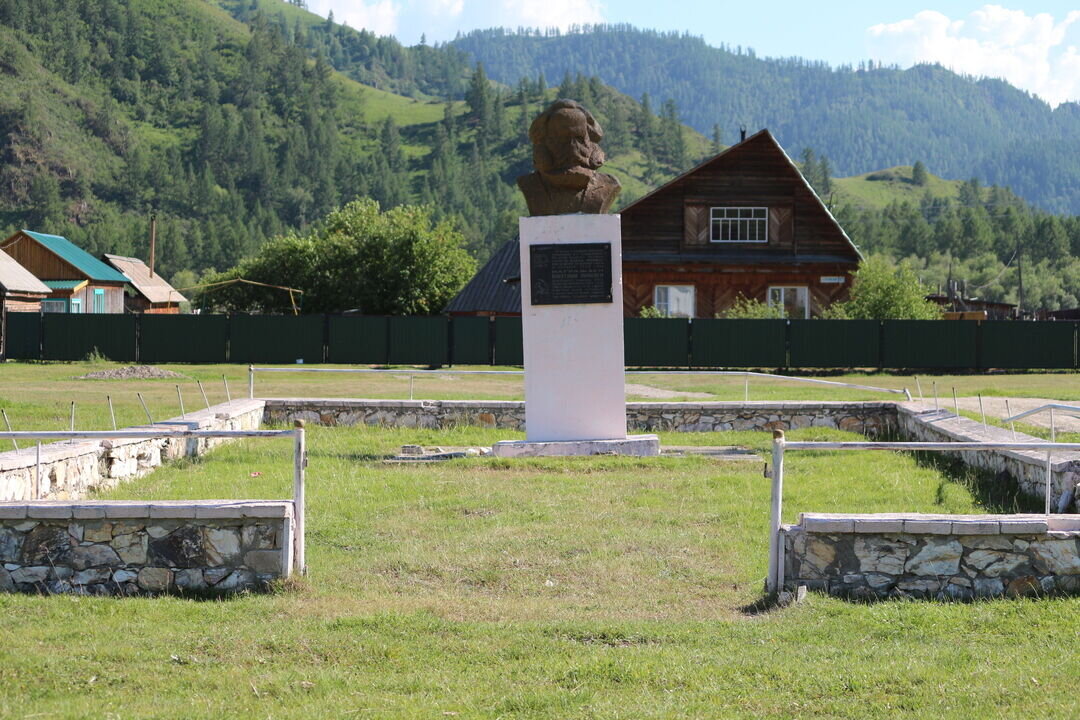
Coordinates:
[442,19]
[1033,52]
[380,17]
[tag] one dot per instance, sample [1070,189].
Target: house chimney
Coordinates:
[153,241]
[742,133]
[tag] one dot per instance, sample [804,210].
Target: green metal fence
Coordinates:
[74,337]
[356,339]
[1014,345]
[507,345]
[419,340]
[276,338]
[184,338]
[834,343]
[739,343]
[471,341]
[656,342]
[23,341]
[673,343]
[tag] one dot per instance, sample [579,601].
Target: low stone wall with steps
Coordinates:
[70,470]
[957,557]
[130,548]
[870,418]
[921,422]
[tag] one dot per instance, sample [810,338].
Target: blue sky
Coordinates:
[1034,45]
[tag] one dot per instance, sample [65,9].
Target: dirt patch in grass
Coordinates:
[132,372]
[648,391]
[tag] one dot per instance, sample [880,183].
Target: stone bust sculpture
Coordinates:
[566,155]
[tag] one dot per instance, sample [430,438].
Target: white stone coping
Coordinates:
[334,403]
[154,509]
[964,429]
[930,524]
[65,449]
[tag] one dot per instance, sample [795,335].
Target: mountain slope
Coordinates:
[862,119]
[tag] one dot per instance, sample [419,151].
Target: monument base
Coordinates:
[637,445]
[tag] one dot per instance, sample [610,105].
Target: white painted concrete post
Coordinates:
[299,467]
[772,582]
[1049,480]
[574,363]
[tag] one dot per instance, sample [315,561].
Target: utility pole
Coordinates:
[1020,270]
[153,240]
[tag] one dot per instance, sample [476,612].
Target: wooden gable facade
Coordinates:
[77,281]
[744,222]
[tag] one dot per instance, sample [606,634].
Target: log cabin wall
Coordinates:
[667,234]
[39,260]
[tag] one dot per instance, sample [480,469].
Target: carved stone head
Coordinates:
[565,136]
[566,154]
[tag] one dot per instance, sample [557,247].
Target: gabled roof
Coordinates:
[763,136]
[78,258]
[14,278]
[150,285]
[488,291]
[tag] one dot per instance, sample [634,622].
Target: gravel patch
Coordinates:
[663,394]
[131,372]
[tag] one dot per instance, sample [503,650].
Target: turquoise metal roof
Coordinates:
[63,284]
[76,256]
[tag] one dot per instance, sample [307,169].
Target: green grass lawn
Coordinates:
[569,588]
[38,396]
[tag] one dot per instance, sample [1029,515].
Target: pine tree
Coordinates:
[918,174]
[717,140]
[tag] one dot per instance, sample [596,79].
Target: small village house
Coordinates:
[77,281]
[743,223]
[152,294]
[20,291]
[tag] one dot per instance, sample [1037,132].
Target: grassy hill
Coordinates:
[877,190]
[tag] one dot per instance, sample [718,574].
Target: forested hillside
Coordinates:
[864,118]
[238,121]
[233,130]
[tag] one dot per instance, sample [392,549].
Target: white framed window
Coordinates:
[99,300]
[54,306]
[674,300]
[76,306]
[739,224]
[794,300]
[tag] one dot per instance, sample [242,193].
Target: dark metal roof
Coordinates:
[487,291]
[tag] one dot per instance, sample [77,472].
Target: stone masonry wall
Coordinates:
[919,422]
[125,548]
[933,556]
[871,418]
[70,470]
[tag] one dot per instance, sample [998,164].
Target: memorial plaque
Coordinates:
[570,274]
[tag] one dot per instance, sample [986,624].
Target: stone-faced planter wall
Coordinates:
[70,471]
[922,423]
[125,548]
[933,556]
[870,418]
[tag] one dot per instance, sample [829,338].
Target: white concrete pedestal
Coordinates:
[575,397]
[638,445]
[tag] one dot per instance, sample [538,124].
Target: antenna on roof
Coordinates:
[742,133]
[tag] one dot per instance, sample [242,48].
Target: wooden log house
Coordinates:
[78,282]
[744,222]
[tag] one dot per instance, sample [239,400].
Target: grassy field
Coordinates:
[570,588]
[38,396]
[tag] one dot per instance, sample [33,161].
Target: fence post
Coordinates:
[1049,481]
[299,465]
[251,381]
[775,551]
